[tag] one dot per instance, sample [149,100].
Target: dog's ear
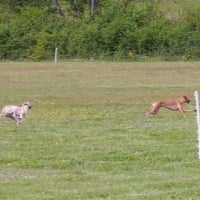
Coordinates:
[27,104]
[187,100]
[185,97]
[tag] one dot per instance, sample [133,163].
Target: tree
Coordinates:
[56,4]
[78,5]
[92,5]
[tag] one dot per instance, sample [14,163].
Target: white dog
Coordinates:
[17,113]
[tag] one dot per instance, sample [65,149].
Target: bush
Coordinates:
[114,31]
[83,41]
[4,38]
[31,33]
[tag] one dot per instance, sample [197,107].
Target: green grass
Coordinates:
[86,137]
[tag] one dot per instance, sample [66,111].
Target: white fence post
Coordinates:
[56,55]
[196,95]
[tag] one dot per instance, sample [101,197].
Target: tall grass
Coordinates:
[86,137]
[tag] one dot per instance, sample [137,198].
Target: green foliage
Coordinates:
[119,29]
[32,32]
[38,51]
[4,38]
[16,5]
[83,40]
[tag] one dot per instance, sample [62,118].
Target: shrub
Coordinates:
[4,37]
[118,29]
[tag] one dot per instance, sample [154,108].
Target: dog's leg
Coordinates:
[153,110]
[149,112]
[19,120]
[180,108]
[15,118]
[191,110]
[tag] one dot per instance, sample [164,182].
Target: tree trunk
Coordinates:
[93,5]
[58,8]
[72,1]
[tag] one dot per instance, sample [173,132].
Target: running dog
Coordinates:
[17,113]
[176,104]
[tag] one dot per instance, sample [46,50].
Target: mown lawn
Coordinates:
[86,137]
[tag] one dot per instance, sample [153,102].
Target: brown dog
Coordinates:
[176,104]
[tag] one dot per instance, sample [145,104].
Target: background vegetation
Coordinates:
[123,29]
[86,136]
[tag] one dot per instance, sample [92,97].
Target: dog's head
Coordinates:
[27,104]
[186,99]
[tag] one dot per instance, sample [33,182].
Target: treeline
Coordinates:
[117,29]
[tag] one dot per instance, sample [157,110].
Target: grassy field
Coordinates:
[86,137]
